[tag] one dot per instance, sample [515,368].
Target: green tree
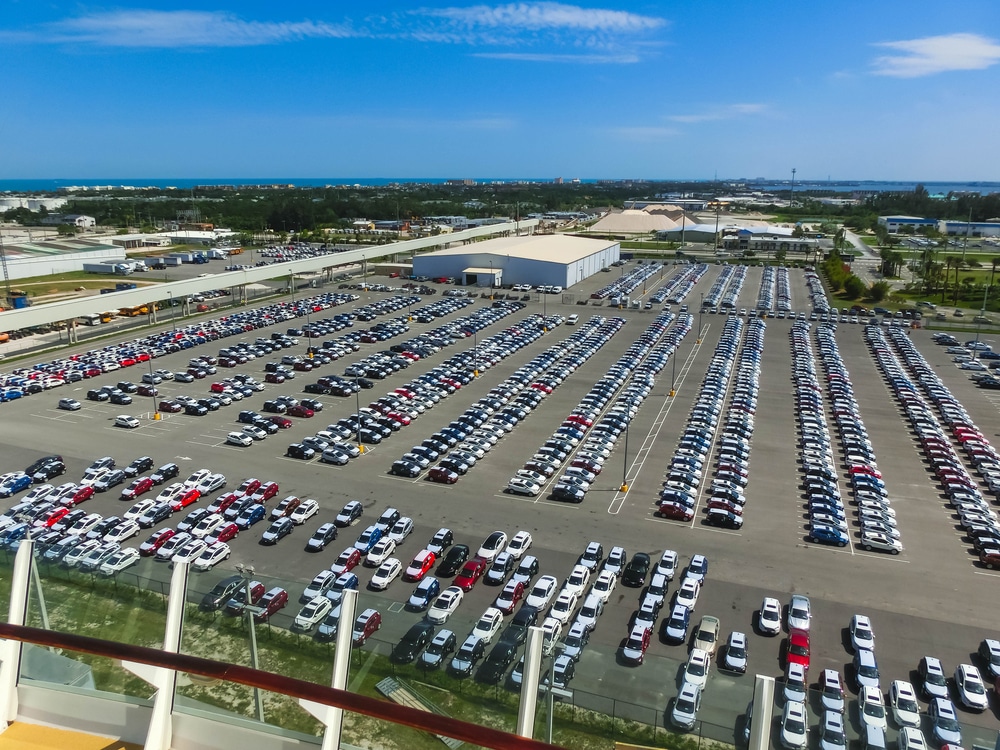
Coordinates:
[65,230]
[879,291]
[854,287]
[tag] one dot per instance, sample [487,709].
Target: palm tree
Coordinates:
[993,269]
[949,262]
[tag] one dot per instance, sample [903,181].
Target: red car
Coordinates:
[171,407]
[217,387]
[580,419]
[249,486]
[304,366]
[146,390]
[52,517]
[83,493]
[226,532]
[138,487]
[270,603]
[798,648]
[509,598]
[222,503]
[127,362]
[675,511]
[396,416]
[156,540]
[299,411]
[366,624]
[546,389]
[348,560]
[185,499]
[265,492]
[285,508]
[421,564]
[544,469]
[582,463]
[726,505]
[274,377]
[471,572]
[280,421]
[442,475]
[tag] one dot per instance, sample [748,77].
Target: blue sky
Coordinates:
[891,89]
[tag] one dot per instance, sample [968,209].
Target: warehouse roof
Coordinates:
[553,248]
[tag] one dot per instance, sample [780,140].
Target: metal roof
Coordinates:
[548,248]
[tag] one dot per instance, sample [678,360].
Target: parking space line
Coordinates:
[826,548]
[890,558]
[641,455]
[984,573]
[715,530]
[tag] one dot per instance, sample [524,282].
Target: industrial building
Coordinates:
[554,260]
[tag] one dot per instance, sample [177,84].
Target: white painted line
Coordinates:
[703,527]
[984,573]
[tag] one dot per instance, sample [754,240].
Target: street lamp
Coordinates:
[701,309]
[673,373]
[246,573]
[357,400]
[492,279]
[982,315]
[152,391]
[624,487]
[173,322]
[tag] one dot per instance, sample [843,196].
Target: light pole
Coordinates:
[982,315]
[246,573]
[624,487]
[701,309]
[673,373]
[475,353]
[492,279]
[173,322]
[152,391]
[357,400]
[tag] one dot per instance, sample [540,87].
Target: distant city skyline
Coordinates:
[894,90]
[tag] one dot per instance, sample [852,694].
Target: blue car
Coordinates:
[15,485]
[423,594]
[675,628]
[11,536]
[368,539]
[827,535]
[10,394]
[250,516]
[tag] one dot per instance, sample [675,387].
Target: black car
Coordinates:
[266,425]
[248,417]
[221,593]
[311,403]
[439,649]
[122,399]
[297,450]
[277,531]
[95,395]
[274,407]
[38,464]
[365,383]
[453,561]
[134,469]
[210,403]
[502,656]
[195,410]
[404,469]
[316,388]
[636,570]
[165,472]
[517,631]
[322,537]
[409,646]
[127,387]
[160,512]
[48,471]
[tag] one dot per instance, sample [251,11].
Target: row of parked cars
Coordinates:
[679,286]
[627,282]
[726,289]
[586,444]
[506,405]
[817,294]
[775,292]
[684,474]
[940,428]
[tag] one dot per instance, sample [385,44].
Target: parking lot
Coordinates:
[932,599]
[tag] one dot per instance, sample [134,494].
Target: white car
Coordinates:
[119,561]
[195,479]
[140,508]
[523,486]
[862,635]
[831,691]
[306,510]
[667,564]
[255,432]
[871,708]
[697,668]
[401,529]
[239,438]
[564,606]
[190,551]
[577,580]
[312,614]
[493,545]
[124,420]
[387,572]
[911,738]
[211,483]
[383,549]
[882,542]
[542,592]
[445,605]
[794,729]
[207,525]
[971,690]
[903,702]
[604,585]
[126,529]
[211,556]
[38,492]
[489,624]
[687,594]
[684,713]
[519,544]
[799,613]
[75,556]
[171,492]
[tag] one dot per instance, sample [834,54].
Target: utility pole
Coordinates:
[791,190]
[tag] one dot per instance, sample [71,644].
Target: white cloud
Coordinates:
[533,16]
[182,28]
[575,59]
[726,112]
[913,58]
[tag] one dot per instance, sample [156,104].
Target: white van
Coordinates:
[571,320]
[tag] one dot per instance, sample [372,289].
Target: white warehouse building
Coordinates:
[555,260]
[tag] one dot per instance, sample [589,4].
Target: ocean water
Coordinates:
[841,186]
